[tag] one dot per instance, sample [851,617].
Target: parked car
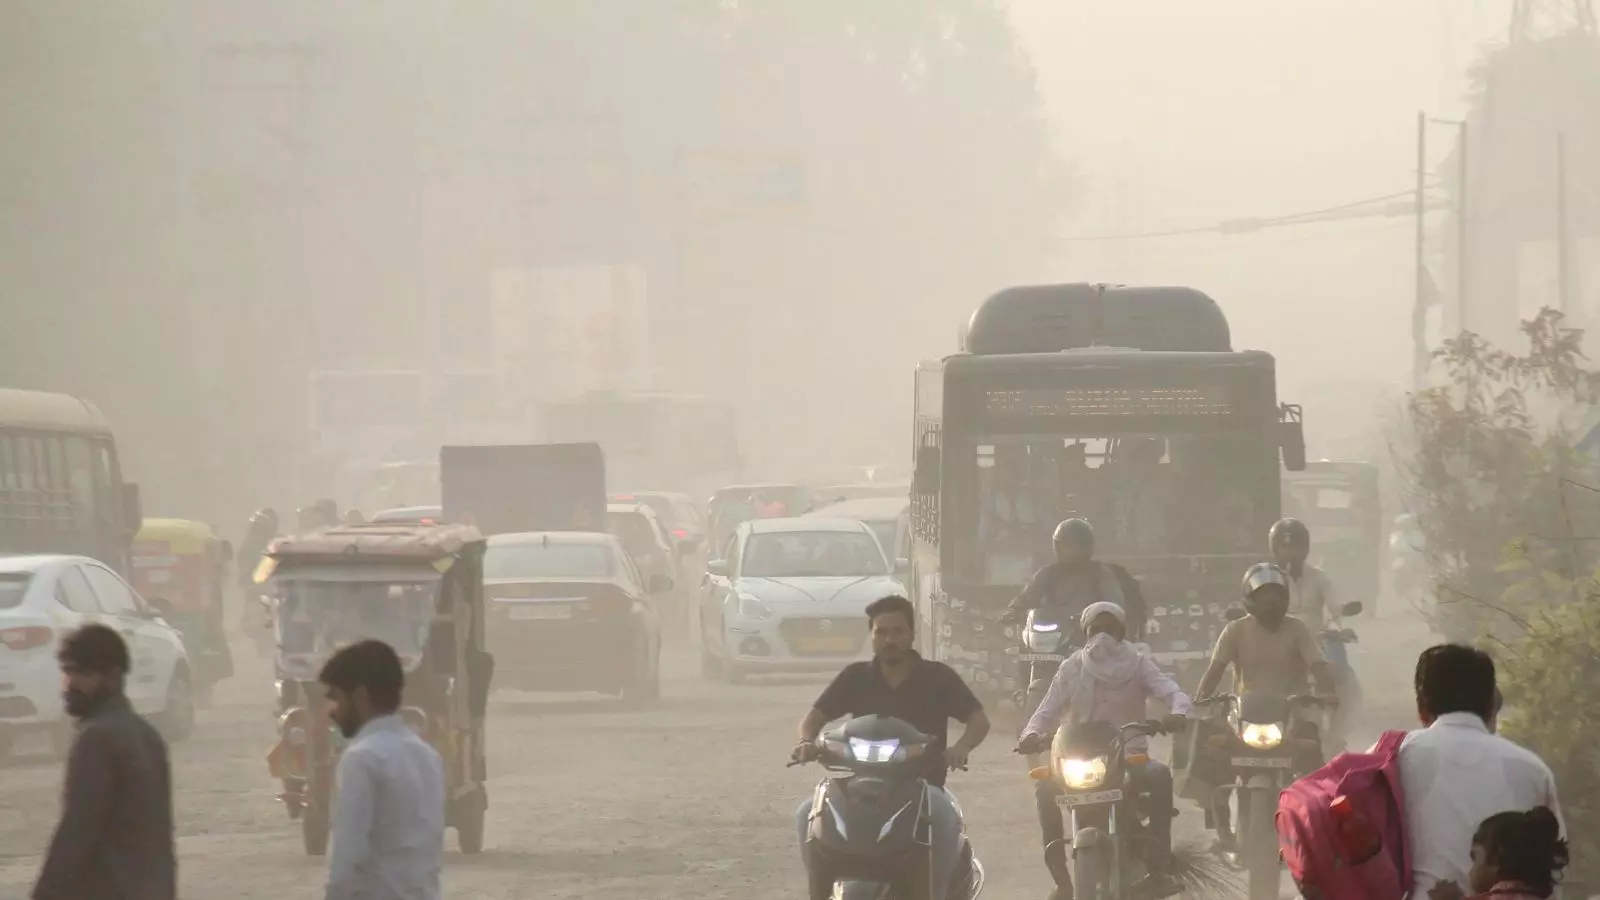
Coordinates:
[569,611]
[888,517]
[42,598]
[678,515]
[788,595]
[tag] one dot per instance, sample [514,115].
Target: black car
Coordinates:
[569,611]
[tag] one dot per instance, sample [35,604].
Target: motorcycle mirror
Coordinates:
[1352,608]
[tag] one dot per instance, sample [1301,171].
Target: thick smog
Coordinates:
[1096,451]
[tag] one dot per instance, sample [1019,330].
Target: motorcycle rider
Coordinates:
[1270,652]
[1075,581]
[253,618]
[1311,598]
[1109,680]
[898,682]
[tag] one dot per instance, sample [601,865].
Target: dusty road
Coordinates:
[690,800]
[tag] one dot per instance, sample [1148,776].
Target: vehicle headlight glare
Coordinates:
[1261,737]
[1042,641]
[1083,774]
[752,608]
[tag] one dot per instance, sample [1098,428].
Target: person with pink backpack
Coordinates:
[1400,818]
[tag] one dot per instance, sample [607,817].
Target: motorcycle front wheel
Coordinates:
[1261,844]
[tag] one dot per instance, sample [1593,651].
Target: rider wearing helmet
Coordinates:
[1076,579]
[1310,592]
[1270,652]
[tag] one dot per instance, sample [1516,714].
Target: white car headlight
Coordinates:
[752,608]
[1083,774]
[1041,641]
[1261,737]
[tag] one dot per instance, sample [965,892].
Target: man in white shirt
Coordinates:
[1456,771]
[388,815]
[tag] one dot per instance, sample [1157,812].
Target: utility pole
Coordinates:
[1419,309]
[1463,232]
[1563,230]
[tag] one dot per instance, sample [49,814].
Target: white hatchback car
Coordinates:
[42,598]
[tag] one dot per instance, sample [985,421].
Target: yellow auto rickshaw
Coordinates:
[180,566]
[417,587]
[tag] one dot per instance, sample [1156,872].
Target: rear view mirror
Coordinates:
[902,566]
[132,508]
[1234,614]
[161,606]
[1353,608]
[926,478]
[660,584]
[1292,437]
[718,568]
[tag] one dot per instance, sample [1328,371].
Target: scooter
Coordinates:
[870,834]
[1045,646]
[1335,647]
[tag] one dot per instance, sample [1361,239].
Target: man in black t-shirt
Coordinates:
[898,682]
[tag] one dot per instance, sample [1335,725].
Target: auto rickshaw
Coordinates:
[185,564]
[1340,503]
[417,587]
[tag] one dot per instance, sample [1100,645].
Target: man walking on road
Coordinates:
[114,841]
[388,816]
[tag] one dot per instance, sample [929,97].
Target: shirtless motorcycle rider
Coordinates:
[1312,599]
[1270,652]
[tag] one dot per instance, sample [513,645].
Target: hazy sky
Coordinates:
[1185,114]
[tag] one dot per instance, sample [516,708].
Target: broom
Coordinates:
[1205,875]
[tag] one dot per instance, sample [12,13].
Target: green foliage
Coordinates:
[1509,511]
[1493,467]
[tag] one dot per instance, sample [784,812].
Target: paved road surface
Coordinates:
[691,800]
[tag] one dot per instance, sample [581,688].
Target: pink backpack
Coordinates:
[1309,840]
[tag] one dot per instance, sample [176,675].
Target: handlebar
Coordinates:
[1147,728]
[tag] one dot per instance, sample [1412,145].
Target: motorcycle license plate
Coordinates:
[1261,762]
[541,611]
[1070,800]
[1040,657]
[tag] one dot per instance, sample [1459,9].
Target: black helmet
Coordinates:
[264,517]
[1075,531]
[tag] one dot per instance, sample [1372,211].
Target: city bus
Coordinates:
[61,487]
[1125,406]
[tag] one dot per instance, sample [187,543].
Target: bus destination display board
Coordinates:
[1199,401]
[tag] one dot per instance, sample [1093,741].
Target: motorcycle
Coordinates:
[1335,643]
[870,834]
[1089,762]
[1264,742]
[1045,645]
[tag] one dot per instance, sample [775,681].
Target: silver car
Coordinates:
[790,595]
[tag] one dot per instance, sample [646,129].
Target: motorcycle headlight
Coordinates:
[1083,774]
[1042,641]
[752,608]
[1261,737]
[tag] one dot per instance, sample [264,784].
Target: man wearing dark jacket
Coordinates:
[115,839]
[1076,580]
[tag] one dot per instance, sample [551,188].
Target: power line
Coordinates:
[1246,225]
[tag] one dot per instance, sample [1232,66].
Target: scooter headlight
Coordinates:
[1042,638]
[1083,774]
[1261,737]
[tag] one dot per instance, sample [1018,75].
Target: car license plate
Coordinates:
[1040,657]
[1260,762]
[541,611]
[828,645]
[1070,800]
